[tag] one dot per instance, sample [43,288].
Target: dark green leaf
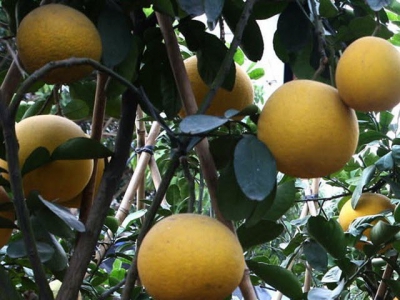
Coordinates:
[279,278]
[76,110]
[265,9]
[127,69]
[327,9]
[65,215]
[222,149]
[394,286]
[396,213]
[115,30]
[255,168]
[232,203]
[85,91]
[252,42]
[293,244]
[16,249]
[36,159]
[247,111]
[211,8]
[7,287]
[396,153]
[261,208]
[284,200]
[329,234]
[200,124]
[294,28]
[81,148]
[366,177]
[370,136]
[315,255]
[382,232]
[264,231]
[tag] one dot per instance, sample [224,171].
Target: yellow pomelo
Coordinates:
[54,32]
[241,96]
[368,204]
[368,75]
[189,256]
[76,201]
[59,180]
[5,233]
[55,286]
[309,130]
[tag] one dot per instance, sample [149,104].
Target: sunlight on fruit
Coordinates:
[55,32]
[241,96]
[368,204]
[308,129]
[190,256]
[59,180]
[368,75]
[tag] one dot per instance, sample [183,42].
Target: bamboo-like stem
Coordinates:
[126,202]
[185,91]
[96,133]
[141,142]
[156,177]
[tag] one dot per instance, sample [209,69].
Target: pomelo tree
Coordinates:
[158,164]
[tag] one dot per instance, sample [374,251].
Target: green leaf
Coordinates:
[115,30]
[84,91]
[256,73]
[255,168]
[16,249]
[382,232]
[200,124]
[112,223]
[252,42]
[127,69]
[385,163]
[284,200]
[264,9]
[293,37]
[42,105]
[261,208]
[315,255]
[262,232]
[233,204]
[394,285]
[396,213]
[7,287]
[81,148]
[76,109]
[222,150]
[366,177]
[36,159]
[329,234]
[327,9]
[369,136]
[279,278]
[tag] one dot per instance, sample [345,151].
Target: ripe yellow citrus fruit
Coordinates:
[5,233]
[189,256]
[54,32]
[368,204]
[76,201]
[368,75]
[308,129]
[59,180]
[241,96]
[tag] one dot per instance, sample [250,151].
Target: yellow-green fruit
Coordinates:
[54,32]
[76,201]
[55,286]
[59,180]
[309,130]
[5,233]
[368,204]
[368,75]
[189,256]
[241,96]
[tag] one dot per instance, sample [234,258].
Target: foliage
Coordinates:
[284,245]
